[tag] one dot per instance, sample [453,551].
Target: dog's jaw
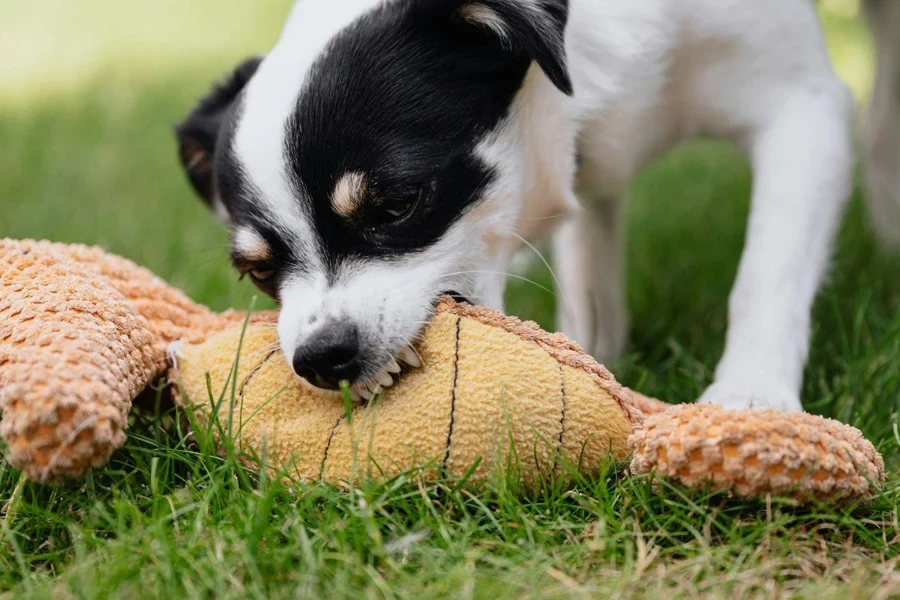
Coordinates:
[387,375]
[389,302]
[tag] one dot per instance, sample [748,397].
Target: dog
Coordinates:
[387,152]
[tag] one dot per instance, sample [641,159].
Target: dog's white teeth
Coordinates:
[409,356]
[384,378]
[367,390]
[370,388]
[361,391]
[392,366]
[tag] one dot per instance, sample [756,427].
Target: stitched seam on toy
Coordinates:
[453,393]
[558,347]
[255,371]
[328,447]
[562,418]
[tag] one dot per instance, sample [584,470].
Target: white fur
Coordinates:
[647,74]
[389,301]
[650,74]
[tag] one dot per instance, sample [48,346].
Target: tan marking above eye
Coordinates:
[349,193]
[479,14]
[250,246]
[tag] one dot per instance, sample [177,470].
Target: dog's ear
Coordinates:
[198,133]
[535,28]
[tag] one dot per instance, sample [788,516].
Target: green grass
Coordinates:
[86,109]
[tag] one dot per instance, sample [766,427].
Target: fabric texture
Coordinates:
[485,403]
[83,332]
[757,452]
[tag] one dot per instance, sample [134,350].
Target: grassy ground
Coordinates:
[88,92]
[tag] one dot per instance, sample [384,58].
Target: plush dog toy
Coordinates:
[82,333]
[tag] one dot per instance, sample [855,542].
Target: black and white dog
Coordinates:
[388,151]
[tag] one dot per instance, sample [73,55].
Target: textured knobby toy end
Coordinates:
[756,453]
[82,333]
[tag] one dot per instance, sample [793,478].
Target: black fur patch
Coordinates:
[199,132]
[403,95]
[238,196]
[240,199]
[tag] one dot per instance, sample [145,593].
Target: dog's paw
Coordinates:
[758,394]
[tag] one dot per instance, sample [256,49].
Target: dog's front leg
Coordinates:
[803,171]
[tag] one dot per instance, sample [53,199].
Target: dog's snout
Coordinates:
[330,356]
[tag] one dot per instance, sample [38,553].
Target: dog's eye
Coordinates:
[396,209]
[261,275]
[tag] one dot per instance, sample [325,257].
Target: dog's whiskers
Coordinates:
[504,273]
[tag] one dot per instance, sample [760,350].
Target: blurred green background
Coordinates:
[90,90]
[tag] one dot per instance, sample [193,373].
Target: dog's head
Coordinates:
[351,165]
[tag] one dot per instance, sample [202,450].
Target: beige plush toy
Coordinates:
[492,390]
[82,333]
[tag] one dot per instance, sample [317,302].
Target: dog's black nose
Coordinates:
[330,356]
